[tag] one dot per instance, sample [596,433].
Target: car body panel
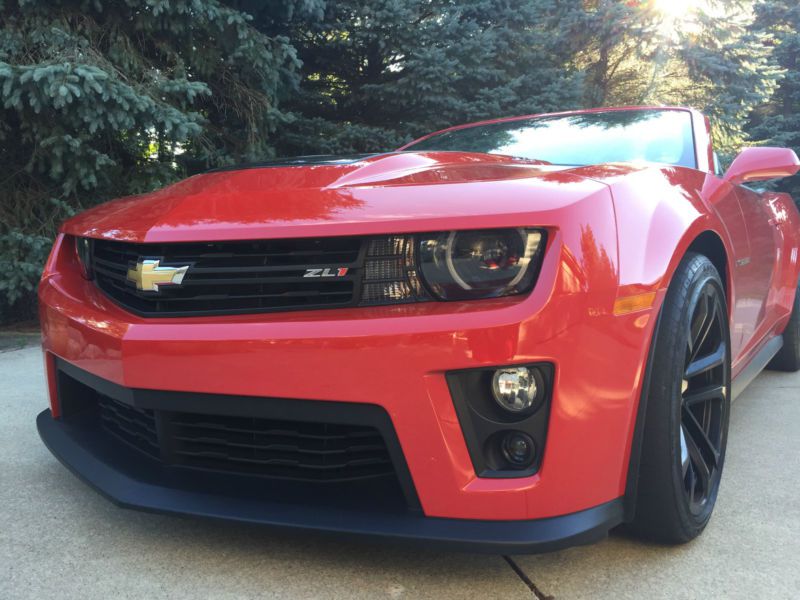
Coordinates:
[391,192]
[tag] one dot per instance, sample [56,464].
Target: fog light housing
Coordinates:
[515,388]
[518,449]
[505,431]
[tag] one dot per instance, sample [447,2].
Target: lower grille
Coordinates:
[263,447]
[311,451]
[133,426]
[335,454]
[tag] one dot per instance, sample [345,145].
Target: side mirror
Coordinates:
[762,163]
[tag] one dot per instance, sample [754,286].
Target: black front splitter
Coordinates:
[122,476]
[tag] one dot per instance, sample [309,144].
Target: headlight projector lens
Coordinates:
[490,263]
[515,388]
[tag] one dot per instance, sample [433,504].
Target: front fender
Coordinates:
[660,214]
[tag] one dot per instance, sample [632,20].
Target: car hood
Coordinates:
[399,192]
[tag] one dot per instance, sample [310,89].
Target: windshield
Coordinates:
[661,136]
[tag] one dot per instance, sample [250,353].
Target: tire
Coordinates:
[788,358]
[688,407]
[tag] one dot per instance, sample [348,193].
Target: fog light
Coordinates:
[514,388]
[518,448]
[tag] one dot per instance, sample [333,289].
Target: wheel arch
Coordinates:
[710,245]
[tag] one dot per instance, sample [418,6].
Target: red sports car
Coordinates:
[512,335]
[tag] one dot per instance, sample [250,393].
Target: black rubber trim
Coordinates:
[149,491]
[757,364]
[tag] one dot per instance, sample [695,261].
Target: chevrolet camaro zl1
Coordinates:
[512,335]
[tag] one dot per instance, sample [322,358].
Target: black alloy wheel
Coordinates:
[704,398]
[687,407]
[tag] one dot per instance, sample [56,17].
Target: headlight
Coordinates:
[83,248]
[480,264]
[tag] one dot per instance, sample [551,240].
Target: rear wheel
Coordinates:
[788,358]
[688,407]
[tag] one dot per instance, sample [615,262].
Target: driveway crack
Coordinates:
[538,594]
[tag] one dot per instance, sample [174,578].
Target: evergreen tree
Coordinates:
[729,71]
[777,122]
[709,58]
[102,99]
[619,47]
[381,73]
[105,98]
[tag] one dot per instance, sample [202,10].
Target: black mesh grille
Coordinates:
[313,451]
[134,426]
[296,450]
[233,277]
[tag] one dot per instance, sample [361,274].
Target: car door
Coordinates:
[756,271]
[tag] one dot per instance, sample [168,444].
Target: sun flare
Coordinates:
[678,9]
[684,14]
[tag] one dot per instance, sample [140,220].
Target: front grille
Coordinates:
[233,277]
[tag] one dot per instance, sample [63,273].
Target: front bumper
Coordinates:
[395,358]
[122,478]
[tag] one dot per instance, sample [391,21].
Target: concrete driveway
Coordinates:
[59,539]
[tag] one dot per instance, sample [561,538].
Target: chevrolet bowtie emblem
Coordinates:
[148,275]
